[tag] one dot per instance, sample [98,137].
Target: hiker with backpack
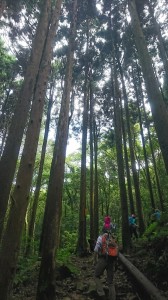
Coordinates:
[133,226]
[108,225]
[105,257]
[156,215]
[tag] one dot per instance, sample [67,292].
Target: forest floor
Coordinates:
[76,280]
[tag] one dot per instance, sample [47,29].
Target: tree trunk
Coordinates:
[91,168]
[12,237]
[14,139]
[38,183]
[158,107]
[154,162]
[2,7]
[133,166]
[130,195]
[46,283]
[82,243]
[138,93]
[126,239]
[96,192]
[131,200]
[161,45]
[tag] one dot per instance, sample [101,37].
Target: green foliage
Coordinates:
[157,229]
[151,229]
[68,246]
[6,64]
[68,242]
[26,270]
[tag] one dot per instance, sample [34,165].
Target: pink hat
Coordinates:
[107,221]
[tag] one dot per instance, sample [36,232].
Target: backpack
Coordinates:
[109,245]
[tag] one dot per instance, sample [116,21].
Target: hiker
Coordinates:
[103,260]
[108,225]
[133,226]
[156,215]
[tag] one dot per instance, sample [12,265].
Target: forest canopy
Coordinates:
[83,125]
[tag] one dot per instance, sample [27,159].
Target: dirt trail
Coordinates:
[77,285]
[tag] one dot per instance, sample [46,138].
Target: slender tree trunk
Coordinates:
[91,169]
[14,139]
[126,239]
[131,200]
[20,197]
[161,200]
[134,170]
[3,110]
[3,139]
[38,183]
[82,243]
[161,45]
[158,107]
[154,162]
[46,283]
[2,7]
[96,191]
[139,94]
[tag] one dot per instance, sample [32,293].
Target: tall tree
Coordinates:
[20,196]
[160,195]
[92,239]
[40,172]
[96,191]
[46,283]
[133,162]
[2,6]
[82,243]
[158,107]
[11,151]
[138,93]
[130,194]
[161,44]
[126,239]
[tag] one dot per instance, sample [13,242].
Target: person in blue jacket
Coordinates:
[133,226]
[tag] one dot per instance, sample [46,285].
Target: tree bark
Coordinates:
[96,191]
[133,166]
[161,45]
[131,200]
[91,167]
[161,200]
[158,107]
[46,283]
[2,7]
[20,196]
[126,239]
[38,183]
[138,93]
[82,243]
[141,280]
[130,195]
[15,134]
